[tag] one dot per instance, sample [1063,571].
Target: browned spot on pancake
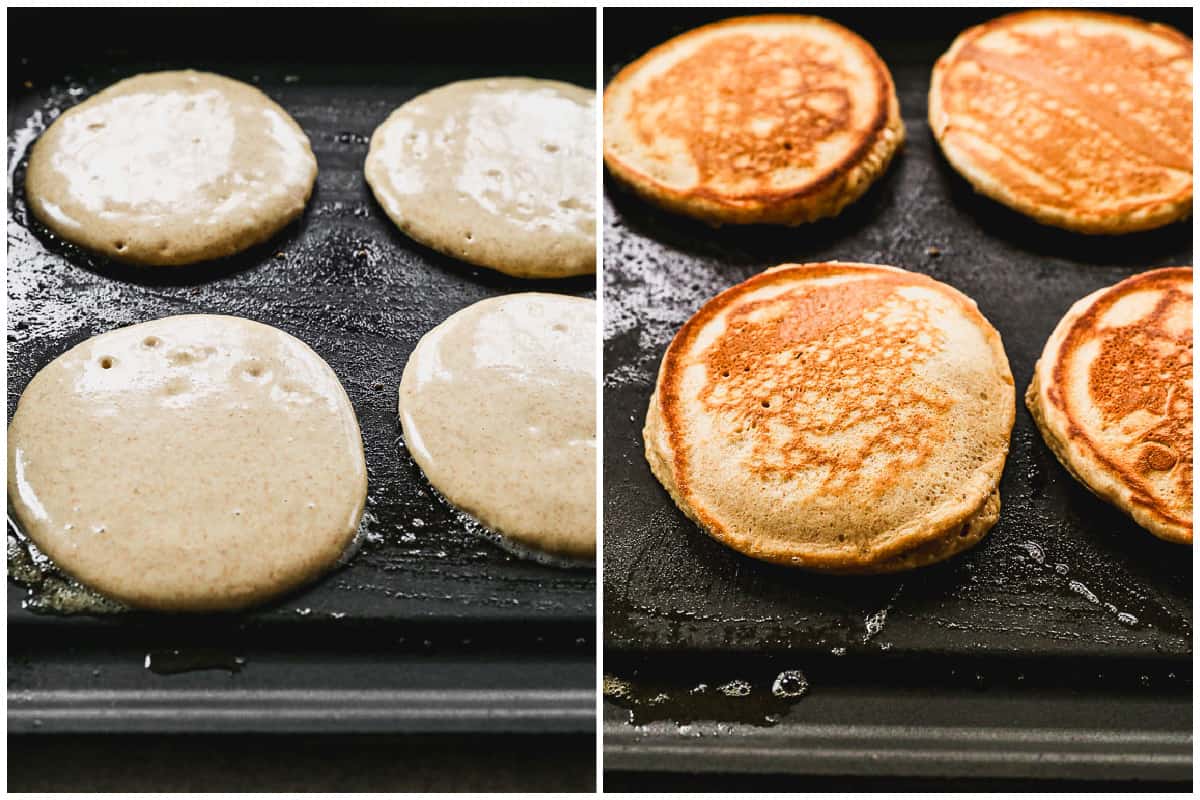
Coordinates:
[1145,367]
[1157,457]
[829,361]
[747,107]
[1072,120]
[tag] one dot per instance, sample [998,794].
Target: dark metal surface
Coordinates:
[1062,575]
[667,585]
[319,675]
[313,763]
[878,714]
[345,281]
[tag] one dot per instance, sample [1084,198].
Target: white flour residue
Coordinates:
[653,291]
[19,141]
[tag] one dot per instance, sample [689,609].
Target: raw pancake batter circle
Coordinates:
[171,168]
[193,463]
[498,172]
[498,406]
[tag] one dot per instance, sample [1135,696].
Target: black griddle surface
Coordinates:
[990,666]
[361,294]
[1061,574]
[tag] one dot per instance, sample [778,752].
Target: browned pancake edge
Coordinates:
[668,462]
[1124,216]
[836,187]
[1130,491]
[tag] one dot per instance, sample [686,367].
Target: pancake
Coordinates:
[778,119]
[193,463]
[847,418]
[1078,119]
[498,407]
[171,168]
[500,173]
[1112,395]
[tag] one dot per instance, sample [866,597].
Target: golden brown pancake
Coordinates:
[778,119]
[1112,394]
[848,418]
[1078,119]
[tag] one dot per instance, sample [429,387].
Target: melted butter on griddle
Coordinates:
[762,702]
[48,589]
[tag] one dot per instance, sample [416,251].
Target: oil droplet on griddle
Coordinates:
[790,683]
[735,688]
[615,687]
[874,624]
[1035,552]
[173,662]
[1037,555]
[49,590]
[739,700]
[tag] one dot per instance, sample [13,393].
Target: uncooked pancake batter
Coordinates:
[191,463]
[498,405]
[499,172]
[171,168]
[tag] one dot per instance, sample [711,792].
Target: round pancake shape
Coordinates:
[1112,395]
[192,463]
[780,119]
[171,168]
[845,418]
[499,172]
[1078,119]
[498,407]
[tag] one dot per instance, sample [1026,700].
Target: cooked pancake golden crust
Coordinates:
[972,530]
[849,418]
[1078,119]
[803,151]
[1112,395]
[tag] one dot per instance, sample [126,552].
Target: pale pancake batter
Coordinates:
[171,168]
[498,405]
[499,172]
[191,463]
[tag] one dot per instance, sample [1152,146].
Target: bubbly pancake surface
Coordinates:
[1078,119]
[780,119]
[192,463]
[498,406]
[499,172]
[1112,394]
[171,168]
[843,417]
